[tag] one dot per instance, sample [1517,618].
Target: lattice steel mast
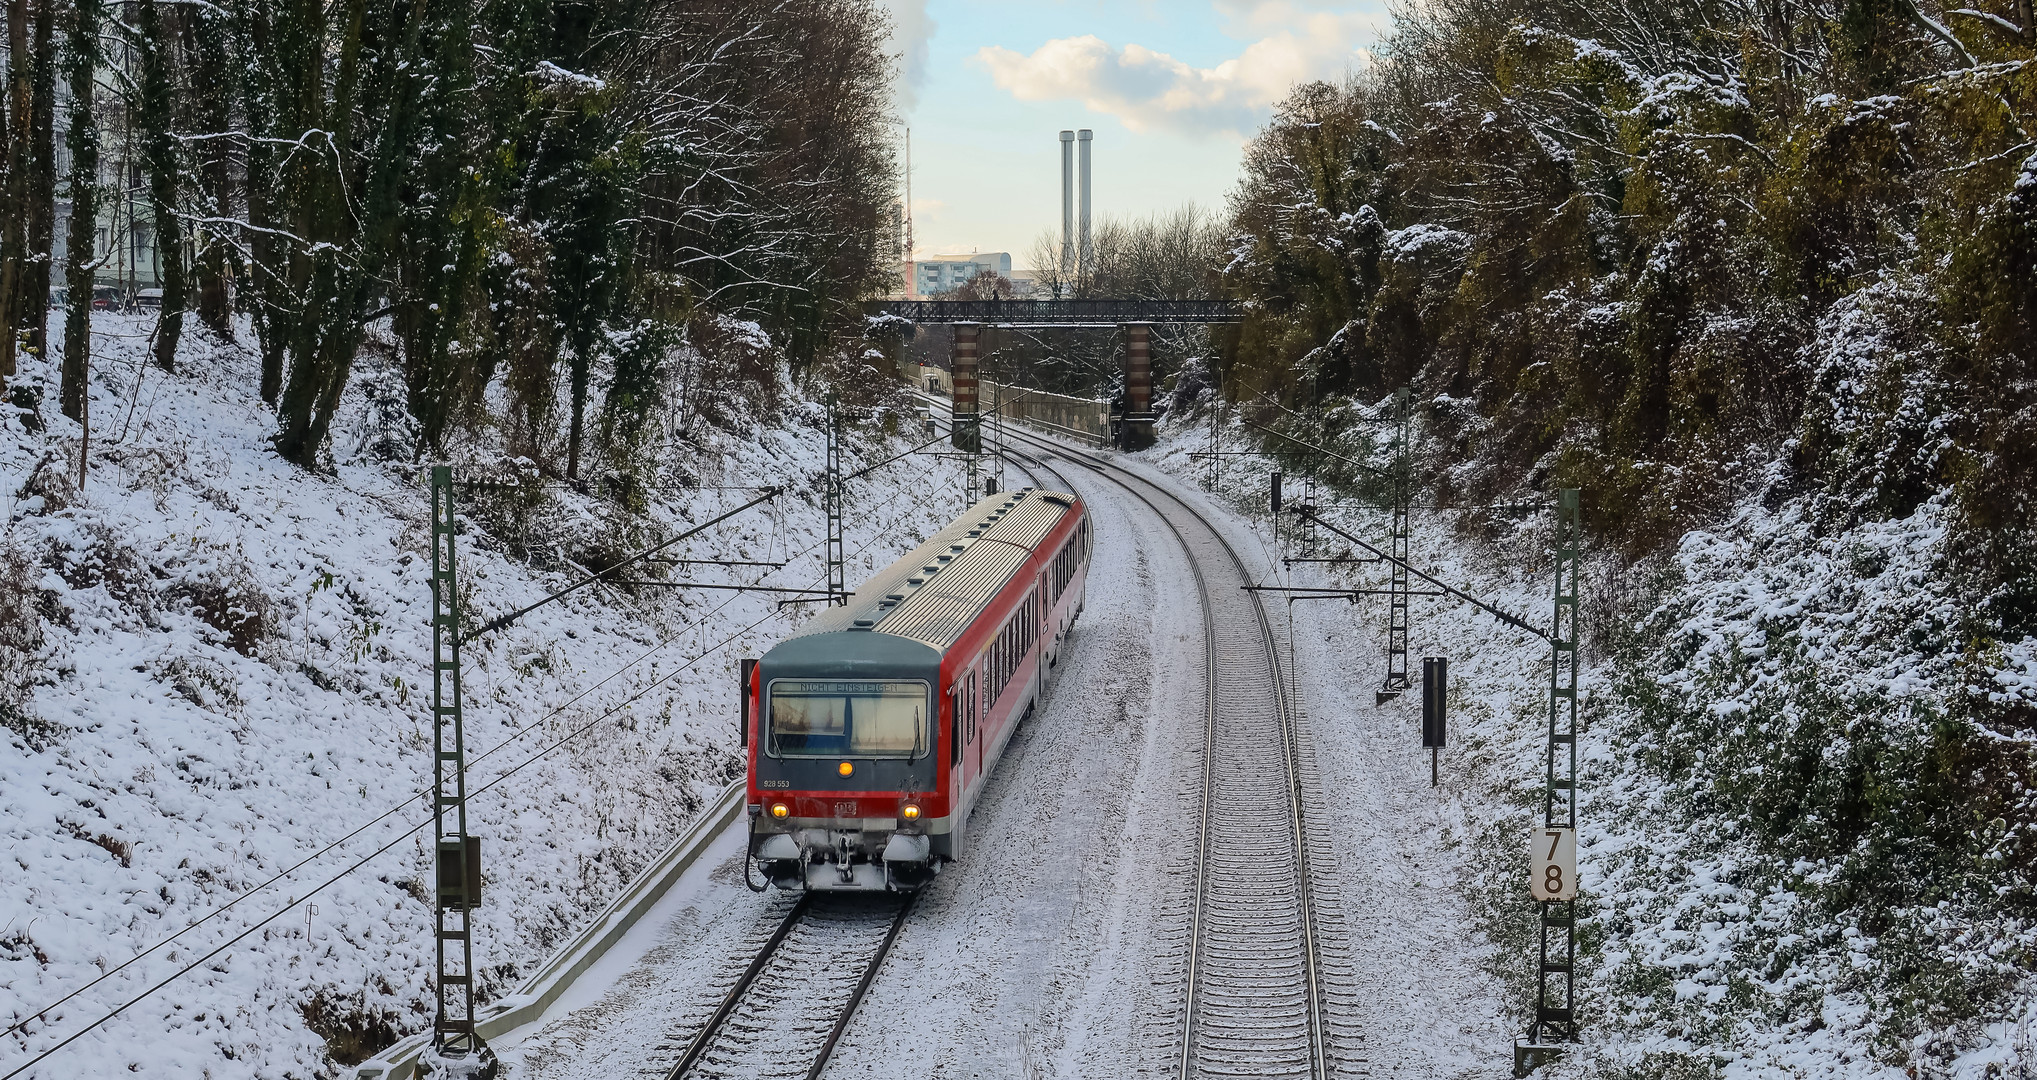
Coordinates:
[1555,1020]
[838,592]
[1402,486]
[457,854]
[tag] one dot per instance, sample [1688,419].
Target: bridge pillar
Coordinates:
[968,337]
[1137,433]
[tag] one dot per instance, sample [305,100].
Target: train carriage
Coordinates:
[871,732]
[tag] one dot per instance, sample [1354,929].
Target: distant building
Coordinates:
[125,233]
[945,272]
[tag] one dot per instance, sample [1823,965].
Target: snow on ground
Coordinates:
[235,673]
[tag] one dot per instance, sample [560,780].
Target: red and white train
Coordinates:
[871,733]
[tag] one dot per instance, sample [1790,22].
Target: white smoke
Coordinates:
[911,28]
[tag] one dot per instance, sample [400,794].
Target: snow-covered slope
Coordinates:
[1709,950]
[228,669]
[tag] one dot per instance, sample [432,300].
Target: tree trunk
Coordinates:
[14,208]
[42,183]
[264,286]
[578,379]
[81,61]
[310,191]
[375,94]
[211,93]
[159,152]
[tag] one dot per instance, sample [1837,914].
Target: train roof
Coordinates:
[934,592]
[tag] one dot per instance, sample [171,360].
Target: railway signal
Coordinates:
[1435,692]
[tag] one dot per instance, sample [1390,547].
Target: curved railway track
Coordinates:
[1254,973]
[806,977]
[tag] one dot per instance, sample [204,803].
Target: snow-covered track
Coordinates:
[1254,973]
[808,976]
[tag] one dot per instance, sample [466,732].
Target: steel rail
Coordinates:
[1209,734]
[718,1021]
[1318,1055]
[705,1036]
[827,1049]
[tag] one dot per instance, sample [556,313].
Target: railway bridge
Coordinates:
[1136,318]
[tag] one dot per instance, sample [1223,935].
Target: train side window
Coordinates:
[972,706]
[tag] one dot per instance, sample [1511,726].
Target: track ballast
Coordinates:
[785,1012]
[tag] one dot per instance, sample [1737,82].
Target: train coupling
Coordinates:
[846,860]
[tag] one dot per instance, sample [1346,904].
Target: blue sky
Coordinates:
[1171,89]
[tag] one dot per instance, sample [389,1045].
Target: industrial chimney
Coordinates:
[1067,205]
[1085,266]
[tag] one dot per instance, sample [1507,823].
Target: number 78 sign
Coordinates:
[1553,857]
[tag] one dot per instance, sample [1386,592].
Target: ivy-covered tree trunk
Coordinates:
[42,183]
[439,248]
[211,92]
[346,219]
[312,192]
[81,62]
[265,287]
[159,153]
[14,208]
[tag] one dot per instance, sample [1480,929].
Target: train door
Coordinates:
[973,752]
[1042,639]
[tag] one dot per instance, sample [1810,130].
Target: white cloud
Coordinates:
[1148,89]
[911,29]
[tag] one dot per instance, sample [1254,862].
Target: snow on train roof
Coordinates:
[933,593]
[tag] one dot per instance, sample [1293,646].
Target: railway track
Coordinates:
[807,977]
[1255,975]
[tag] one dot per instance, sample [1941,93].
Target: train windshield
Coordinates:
[848,719]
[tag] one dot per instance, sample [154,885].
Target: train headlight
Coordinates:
[779,810]
[846,768]
[910,811]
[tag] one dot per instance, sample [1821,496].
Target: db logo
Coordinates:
[845,809]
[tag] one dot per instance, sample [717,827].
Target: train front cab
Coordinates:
[847,760]
[868,748]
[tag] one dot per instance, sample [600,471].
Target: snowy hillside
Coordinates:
[1717,945]
[218,665]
